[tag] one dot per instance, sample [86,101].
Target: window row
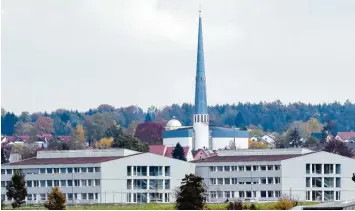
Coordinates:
[69,196]
[323,195]
[244,194]
[323,182]
[153,184]
[54,170]
[246,168]
[58,183]
[323,168]
[144,170]
[245,180]
[143,197]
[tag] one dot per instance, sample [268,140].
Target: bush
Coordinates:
[284,204]
[56,200]
[253,207]
[236,205]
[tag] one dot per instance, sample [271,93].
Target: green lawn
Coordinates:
[261,206]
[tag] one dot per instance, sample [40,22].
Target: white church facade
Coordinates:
[201,135]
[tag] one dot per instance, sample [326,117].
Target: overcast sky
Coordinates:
[78,54]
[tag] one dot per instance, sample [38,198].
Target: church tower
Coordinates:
[200,117]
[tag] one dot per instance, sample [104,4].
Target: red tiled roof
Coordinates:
[169,151]
[53,161]
[157,149]
[346,135]
[246,158]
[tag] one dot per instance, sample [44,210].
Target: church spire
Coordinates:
[200,91]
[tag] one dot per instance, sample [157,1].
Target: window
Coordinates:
[70,196]
[227,168]
[270,180]
[255,168]
[227,181]
[308,168]
[270,194]
[91,196]
[83,196]
[75,196]
[140,184]
[77,182]
[213,181]
[167,170]
[328,182]
[140,170]
[42,183]
[42,171]
[129,170]
[337,195]
[35,183]
[2,171]
[43,196]
[308,182]
[3,184]
[213,194]
[337,169]
[263,194]
[232,194]
[248,194]
[70,170]
[49,183]
[317,182]
[56,183]
[91,169]
[219,194]
[328,195]
[308,195]
[219,168]
[129,184]
[213,168]
[248,168]
[29,197]
[77,170]
[241,194]
[63,170]
[49,171]
[234,181]
[167,184]
[263,180]
[70,183]
[277,180]
[96,196]
[83,170]
[63,183]
[270,168]
[155,184]
[29,183]
[90,182]
[97,169]
[220,181]
[241,168]
[56,170]
[263,168]
[227,194]
[277,167]
[316,195]
[277,194]
[338,182]
[316,168]
[97,182]
[9,171]
[155,171]
[328,169]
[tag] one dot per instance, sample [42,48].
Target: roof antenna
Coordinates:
[199,11]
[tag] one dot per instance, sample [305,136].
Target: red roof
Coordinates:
[246,158]
[346,135]
[54,161]
[204,154]
[157,149]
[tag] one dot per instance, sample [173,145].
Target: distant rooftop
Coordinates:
[85,153]
[245,152]
[245,158]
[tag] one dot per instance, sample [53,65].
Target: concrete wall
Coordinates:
[294,174]
[221,143]
[184,141]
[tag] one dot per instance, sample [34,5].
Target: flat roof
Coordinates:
[58,161]
[246,158]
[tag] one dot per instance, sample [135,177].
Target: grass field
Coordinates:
[260,206]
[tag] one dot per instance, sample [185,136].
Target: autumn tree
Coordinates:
[44,125]
[178,152]
[77,139]
[104,143]
[150,133]
[16,189]
[56,200]
[25,150]
[191,194]
[257,144]
[338,147]
[131,129]
[97,125]
[25,129]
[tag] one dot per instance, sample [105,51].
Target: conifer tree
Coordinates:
[178,152]
[191,194]
[239,121]
[56,200]
[16,189]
